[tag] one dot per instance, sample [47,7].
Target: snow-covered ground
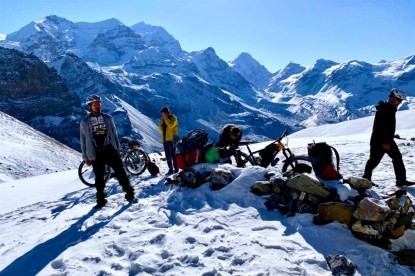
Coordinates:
[48,226]
[27,152]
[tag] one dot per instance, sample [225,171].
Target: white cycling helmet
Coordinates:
[93,98]
[399,94]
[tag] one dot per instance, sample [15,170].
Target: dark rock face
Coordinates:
[37,95]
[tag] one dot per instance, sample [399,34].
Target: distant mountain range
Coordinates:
[141,68]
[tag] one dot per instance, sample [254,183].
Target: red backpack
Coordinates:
[321,158]
[189,159]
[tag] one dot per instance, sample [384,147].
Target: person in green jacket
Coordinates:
[169,128]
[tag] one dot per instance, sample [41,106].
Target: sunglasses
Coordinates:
[96,103]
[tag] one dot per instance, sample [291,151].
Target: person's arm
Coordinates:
[170,122]
[223,142]
[82,132]
[82,140]
[160,125]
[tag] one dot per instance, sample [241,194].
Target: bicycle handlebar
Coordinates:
[247,142]
[285,133]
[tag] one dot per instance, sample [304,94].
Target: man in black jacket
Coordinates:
[382,141]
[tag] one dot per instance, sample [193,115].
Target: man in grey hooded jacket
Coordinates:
[100,146]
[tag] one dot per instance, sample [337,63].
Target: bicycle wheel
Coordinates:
[300,164]
[241,160]
[87,176]
[135,161]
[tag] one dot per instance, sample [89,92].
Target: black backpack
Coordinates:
[321,158]
[195,139]
[152,168]
[268,154]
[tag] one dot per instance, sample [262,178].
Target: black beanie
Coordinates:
[165,109]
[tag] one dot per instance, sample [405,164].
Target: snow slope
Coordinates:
[174,230]
[26,152]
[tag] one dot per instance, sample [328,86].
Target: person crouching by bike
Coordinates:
[169,128]
[100,146]
[382,142]
[230,136]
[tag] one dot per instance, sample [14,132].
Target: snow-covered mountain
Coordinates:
[26,152]
[37,95]
[155,36]
[251,70]
[329,92]
[48,226]
[145,67]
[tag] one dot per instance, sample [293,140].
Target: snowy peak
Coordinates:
[322,64]
[408,61]
[115,46]
[284,73]
[52,36]
[52,25]
[158,37]
[251,70]
[245,59]
[208,59]
[219,73]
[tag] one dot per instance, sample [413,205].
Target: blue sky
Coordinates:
[274,32]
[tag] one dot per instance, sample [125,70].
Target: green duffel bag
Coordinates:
[212,155]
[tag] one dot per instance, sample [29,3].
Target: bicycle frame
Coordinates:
[281,147]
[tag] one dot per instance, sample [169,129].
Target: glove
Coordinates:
[88,162]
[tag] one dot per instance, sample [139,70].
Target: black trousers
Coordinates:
[376,154]
[170,152]
[111,157]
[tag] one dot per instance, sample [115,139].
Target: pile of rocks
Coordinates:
[299,194]
[375,220]
[194,177]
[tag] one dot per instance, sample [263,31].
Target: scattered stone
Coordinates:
[340,265]
[369,228]
[266,187]
[309,185]
[405,257]
[261,188]
[222,177]
[372,209]
[358,183]
[334,211]
[397,233]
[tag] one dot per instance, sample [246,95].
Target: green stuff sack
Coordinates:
[212,155]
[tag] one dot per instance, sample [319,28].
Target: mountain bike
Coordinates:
[134,158]
[268,156]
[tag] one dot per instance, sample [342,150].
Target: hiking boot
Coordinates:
[100,203]
[129,193]
[367,177]
[100,196]
[176,171]
[169,172]
[401,183]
